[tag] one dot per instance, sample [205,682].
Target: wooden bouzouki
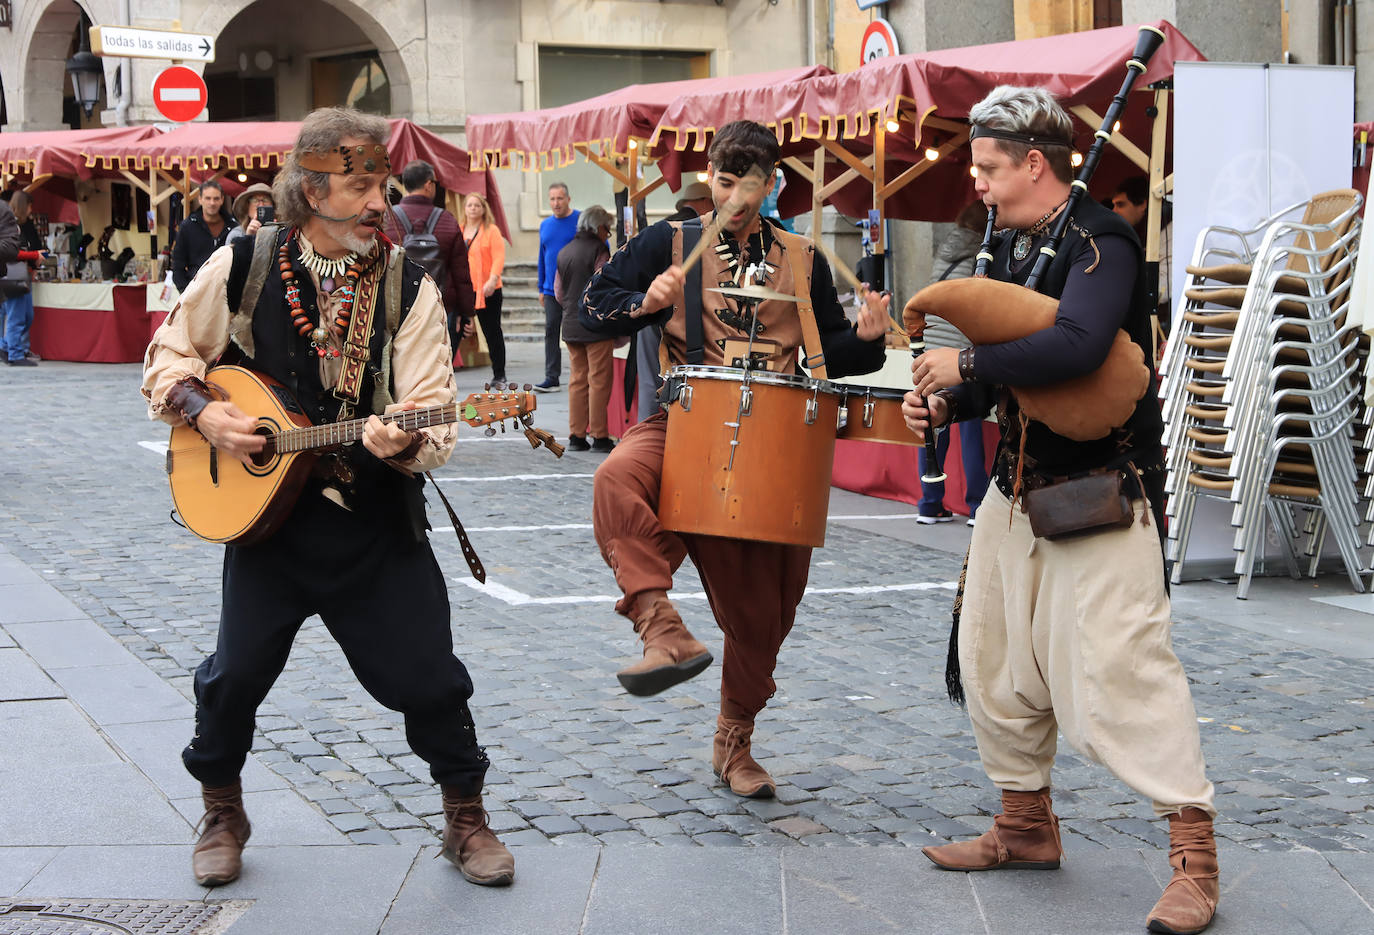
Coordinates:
[222,500]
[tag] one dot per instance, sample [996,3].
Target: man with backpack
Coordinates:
[432,238]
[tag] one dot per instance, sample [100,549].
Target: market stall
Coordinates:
[122,180]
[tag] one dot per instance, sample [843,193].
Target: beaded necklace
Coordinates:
[319,334]
[1021,247]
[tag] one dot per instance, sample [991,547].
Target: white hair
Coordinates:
[1031,112]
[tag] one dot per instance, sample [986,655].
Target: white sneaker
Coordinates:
[970,521]
[944,516]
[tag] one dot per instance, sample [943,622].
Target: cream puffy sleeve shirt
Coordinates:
[196,332]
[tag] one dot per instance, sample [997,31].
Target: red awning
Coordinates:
[206,148]
[60,152]
[1078,68]
[545,139]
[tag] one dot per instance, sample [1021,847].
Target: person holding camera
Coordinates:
[253,208]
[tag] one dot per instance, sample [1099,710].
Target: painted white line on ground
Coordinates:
[515,528]
[467,480]
[516,598]
[852,516]
[155,447]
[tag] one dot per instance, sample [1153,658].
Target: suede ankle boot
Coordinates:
[1024,837]
[470,845]
[1190,900]
[671,653]
[732,762]
[218,856]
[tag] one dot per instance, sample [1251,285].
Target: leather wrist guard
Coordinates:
[951,407]
[189,396]
[966,365]
[411,450]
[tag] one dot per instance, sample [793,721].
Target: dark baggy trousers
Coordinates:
[382,597]
[753,587]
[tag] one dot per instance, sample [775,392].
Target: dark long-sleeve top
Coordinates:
[1091,310]
[193,246]
[459,297]
[9,236]
[619,287]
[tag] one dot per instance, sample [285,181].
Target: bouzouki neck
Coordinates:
[333,434]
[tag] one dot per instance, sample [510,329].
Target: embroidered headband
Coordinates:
[979,130]
[348,160]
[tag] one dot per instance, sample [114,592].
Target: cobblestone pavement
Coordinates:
[867,749]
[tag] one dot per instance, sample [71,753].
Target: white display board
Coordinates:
[1249,140]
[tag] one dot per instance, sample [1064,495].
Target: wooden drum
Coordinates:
[748,455]
[874,414]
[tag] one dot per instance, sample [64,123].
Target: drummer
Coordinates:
[753,587]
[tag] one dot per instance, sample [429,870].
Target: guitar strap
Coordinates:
[469,553]
[356,349]
[264,252]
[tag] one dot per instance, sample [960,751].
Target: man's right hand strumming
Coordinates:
[918,417]
[662,291]
[230,430]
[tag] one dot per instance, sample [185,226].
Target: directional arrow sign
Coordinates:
[127,42]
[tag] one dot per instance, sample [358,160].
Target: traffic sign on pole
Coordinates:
[179,94]
[126,42]
[879,41]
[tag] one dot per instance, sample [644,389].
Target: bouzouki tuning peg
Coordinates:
[489,431]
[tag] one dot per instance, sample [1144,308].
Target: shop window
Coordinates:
[568,75]
[232,96]
[355,80]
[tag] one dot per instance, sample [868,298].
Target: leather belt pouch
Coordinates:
[1079,505]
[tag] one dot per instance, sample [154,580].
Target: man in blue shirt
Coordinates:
[554,234]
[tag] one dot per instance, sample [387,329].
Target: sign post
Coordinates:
[179,94]
[128,42]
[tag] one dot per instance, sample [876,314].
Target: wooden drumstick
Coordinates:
[748,183]
[860,289]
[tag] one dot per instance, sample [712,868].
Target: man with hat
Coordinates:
[246,205]
[330,309]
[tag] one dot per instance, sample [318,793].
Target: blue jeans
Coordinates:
[975,474]
[17,314]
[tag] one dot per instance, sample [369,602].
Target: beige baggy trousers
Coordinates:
[1074,635]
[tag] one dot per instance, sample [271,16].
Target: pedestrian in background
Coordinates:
[201,234]
[246,205]
[432,238]
[954,259]
[17,285]
[590,356]
[555,233]
[486,262]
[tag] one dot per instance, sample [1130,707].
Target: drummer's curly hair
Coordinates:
[741,145]
[321,132]
[1033,112]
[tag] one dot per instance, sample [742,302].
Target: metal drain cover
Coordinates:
[112,917]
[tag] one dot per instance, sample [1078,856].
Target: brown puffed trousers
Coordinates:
[753,587]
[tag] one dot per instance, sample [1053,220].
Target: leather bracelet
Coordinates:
[966,365]
[409,451]
[951,408]
[189,396]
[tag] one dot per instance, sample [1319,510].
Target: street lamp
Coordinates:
[86,72]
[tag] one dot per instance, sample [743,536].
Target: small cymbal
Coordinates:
[755,292]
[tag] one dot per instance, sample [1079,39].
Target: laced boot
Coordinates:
[218,856]
[1024,837]
[470,845]
[671,653]
[1190,900]
[732,762]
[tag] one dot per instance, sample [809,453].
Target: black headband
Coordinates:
[979,130]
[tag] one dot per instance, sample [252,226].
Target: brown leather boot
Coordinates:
[1024,837]
[732,762]
[218,856]
[470,845]
[671,653]
[1190,900]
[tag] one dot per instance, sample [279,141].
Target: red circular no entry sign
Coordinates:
[179,94]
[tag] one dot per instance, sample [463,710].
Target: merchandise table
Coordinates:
[95,322]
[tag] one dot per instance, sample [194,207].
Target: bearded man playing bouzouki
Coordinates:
[346,325]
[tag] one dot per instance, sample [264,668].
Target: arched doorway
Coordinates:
[318,53]
[48,102]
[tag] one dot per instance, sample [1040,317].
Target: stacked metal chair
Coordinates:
[1260,387]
